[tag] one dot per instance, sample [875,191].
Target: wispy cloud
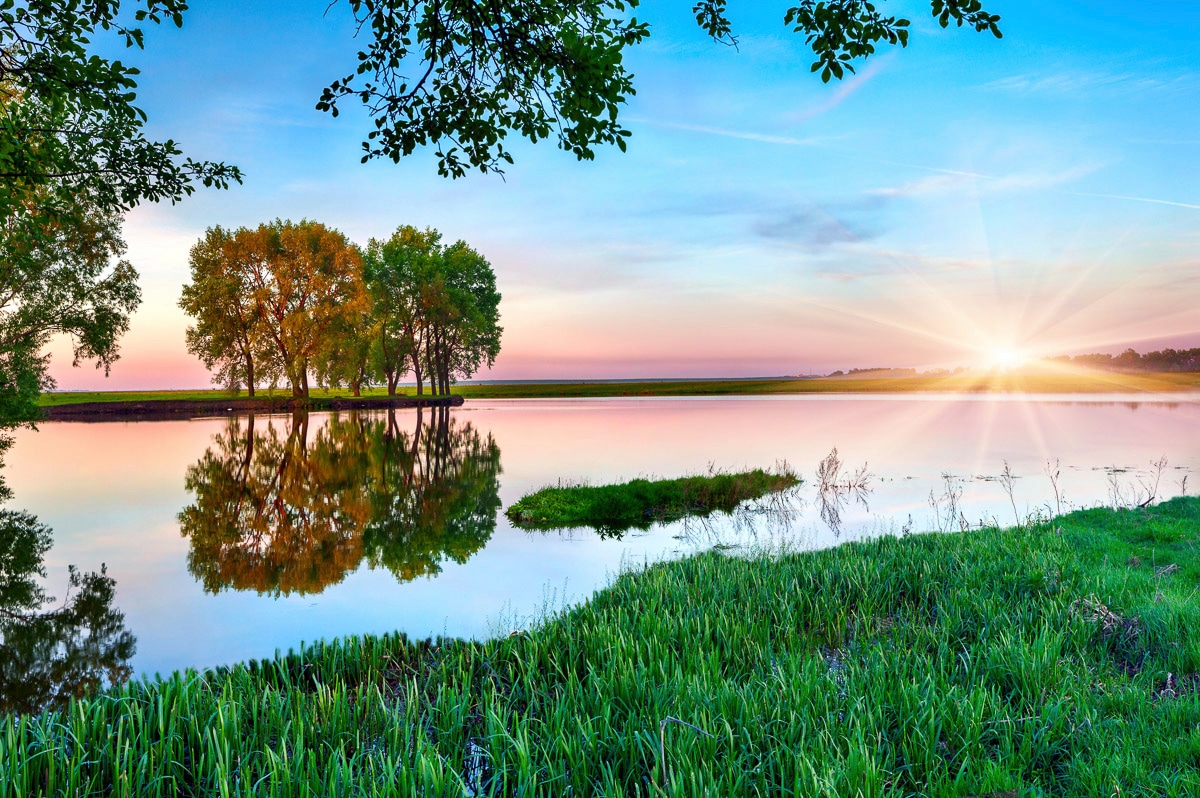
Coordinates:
[747,135]
[1081,82]
[845,89]
[950,180]
[1151,200]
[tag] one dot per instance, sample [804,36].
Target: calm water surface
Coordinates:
[231,538]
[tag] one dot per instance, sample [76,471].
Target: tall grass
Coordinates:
[612,509]
[1050,660]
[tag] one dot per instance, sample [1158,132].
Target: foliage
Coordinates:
[69,126]
[462,76]
[437,305]
[614,509]
[993,662]
[461,316]
[274,297]
[1162,361]
[394,271]
[60,274]
[228,337]
[284,514]
[49,656]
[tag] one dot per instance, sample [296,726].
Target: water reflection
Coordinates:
[280,510]
[51,655]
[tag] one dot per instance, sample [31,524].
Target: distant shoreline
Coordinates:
[164,408]
[133,405]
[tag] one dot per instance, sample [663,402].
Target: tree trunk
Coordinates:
[249,374]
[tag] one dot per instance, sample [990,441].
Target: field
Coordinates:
[1055,659]
[1089,382]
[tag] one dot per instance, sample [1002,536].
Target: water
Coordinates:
[229,539]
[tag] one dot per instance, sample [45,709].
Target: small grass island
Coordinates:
[613,509]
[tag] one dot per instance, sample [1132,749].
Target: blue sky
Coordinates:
[964,195]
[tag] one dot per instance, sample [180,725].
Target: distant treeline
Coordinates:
[1177,360]
[295,301]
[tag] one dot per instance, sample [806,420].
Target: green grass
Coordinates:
[613,509]
[1096,382]
[1053,660]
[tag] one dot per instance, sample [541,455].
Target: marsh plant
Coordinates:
[1140,491]
[837,486]
[947,508]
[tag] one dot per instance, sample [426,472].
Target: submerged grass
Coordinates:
[1051,660]
[612,509]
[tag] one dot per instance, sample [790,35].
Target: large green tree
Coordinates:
[435,304]
[60,274]
[395,269]
[73,158]
[462,315]
[70,125]
[462,75]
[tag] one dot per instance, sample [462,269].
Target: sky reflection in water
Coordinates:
[228,541]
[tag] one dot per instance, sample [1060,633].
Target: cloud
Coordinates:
[811,228]
[1079,82]
[745,135]
[845,89]
[1141,199]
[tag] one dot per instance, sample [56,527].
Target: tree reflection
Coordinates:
[50,655]
[280,509]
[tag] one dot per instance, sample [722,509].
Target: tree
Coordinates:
[69,125]
[464,74]
[305,279]
[281,295]
[73,158]
[394,270]
[229,336]
[436,305]
[60,274]
[462,309]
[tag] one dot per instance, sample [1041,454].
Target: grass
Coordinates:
[1057,659]
[613,509]
[1091,382]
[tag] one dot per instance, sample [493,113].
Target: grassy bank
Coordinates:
[1057,660]
[1098,382]
[612,509]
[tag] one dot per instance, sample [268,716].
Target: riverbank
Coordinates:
[1061,659]
[164,405]
[56,405]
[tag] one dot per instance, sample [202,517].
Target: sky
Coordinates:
[955,200]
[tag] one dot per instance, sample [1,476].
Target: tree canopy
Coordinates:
[69,124]
[298,299]
[462,75]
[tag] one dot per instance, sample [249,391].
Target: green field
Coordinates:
[1057,659]
[1097,382]
[613,509]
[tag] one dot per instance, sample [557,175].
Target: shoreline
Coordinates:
[1049,657]
[166,409]
[148,405]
